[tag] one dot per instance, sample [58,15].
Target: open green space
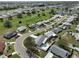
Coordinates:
[25,20]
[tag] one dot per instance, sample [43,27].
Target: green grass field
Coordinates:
[26,20]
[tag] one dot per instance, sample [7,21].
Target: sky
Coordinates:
[39,0]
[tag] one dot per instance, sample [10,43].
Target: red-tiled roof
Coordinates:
[2,46]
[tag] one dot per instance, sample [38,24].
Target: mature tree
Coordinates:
[28,13]
[29,43]
[1,19]
[63,43]
[23,12]
[52,11]
[8,24]
[43,9]
[38,11]
[20,22]
[33,11]
[39,15]
[43,14]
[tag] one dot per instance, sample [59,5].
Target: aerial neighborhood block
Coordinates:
[44,29]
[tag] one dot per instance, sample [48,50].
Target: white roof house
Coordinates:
[21,28]
[50,34]
[77,28]
[76,35]
[34,36]
[66,23]
[59,51]
[49,55]
[70,19]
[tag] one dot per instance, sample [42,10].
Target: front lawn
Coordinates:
[39,53]
[9,49]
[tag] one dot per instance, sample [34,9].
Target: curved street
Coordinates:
[19,46]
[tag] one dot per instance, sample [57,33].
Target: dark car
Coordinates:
[10,35]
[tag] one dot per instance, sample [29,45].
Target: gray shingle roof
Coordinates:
[40,40]
[50,34]
[57,30]
[9,35]
[59,51]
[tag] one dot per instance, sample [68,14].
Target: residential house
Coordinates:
[10,35]
[57,30]
[76,35]
[63,27]
[70,19]
[21,28]
[32,26]
[40,40]
[40,24]
[77,28]
[46,21]
[50,34]
[66,24]
[59,51]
